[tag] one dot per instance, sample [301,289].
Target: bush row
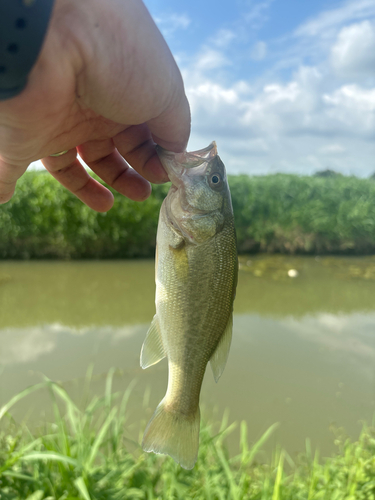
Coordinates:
[274,213]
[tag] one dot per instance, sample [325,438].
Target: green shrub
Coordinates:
[292,214]
[44,220]
[273,213]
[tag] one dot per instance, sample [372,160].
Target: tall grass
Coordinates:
[44,220]
[295,214]
[273,213]
[83,455]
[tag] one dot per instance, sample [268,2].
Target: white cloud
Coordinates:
[223,38]
[258,51]
[214,94]
[170,23]
[353,54]
[353,96]
[332,149]
[296,126]
[352,109]
[331,20]
[313,40]
[363,99]
[257,14]
[210,59]
[286,108]
[215,109]
[258,145]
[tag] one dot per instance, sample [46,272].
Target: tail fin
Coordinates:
[174,434]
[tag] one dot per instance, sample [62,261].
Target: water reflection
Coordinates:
[353,334]
[24,345]
[303,348]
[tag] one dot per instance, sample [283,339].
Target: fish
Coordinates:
[196,270]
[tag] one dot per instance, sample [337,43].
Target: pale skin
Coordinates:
[105,86]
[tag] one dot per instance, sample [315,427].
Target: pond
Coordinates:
[303,349]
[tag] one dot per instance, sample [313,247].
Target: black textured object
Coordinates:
[23,25]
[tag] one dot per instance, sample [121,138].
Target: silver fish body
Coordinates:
[196,277]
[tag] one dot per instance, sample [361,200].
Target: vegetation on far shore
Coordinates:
[326,214]
[84,455]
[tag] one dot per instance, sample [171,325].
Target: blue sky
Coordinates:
[281,85]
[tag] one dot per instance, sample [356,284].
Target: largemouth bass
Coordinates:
[196,277]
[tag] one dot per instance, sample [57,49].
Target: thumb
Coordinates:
[171,129]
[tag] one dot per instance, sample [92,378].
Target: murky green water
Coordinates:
[303,351]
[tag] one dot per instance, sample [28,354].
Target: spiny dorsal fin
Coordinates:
[152,349]
[219,358]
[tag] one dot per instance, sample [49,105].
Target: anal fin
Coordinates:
[219,358]
[152,350]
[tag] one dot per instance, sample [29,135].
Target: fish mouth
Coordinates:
[175,163]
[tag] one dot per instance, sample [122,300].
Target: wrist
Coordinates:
[23,26]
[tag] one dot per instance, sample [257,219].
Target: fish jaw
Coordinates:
[176,163]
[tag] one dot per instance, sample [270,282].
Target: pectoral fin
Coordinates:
[152,349]
[219,358]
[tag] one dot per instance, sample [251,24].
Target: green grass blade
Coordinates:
[125,400]
[18,475]
[99,439]
[279,475]
[256,447]
[4,409]
[72,408]
[81,487]
[108,388]
[87,382]
[31,445]
[37,495]
[50,455]
[228,473]
[243,441]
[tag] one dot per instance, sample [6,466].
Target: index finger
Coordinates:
[9,175]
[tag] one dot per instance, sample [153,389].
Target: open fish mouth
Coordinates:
[175,163]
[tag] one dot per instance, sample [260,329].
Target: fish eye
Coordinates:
[215,179]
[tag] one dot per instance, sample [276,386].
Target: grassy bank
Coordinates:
[83,455]
[274,213]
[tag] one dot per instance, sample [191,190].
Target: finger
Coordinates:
[103,159]
[71,174]
[9,174]
[136,145]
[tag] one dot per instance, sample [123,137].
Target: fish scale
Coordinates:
[196,277]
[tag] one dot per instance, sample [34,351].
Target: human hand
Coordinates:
[106,86]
